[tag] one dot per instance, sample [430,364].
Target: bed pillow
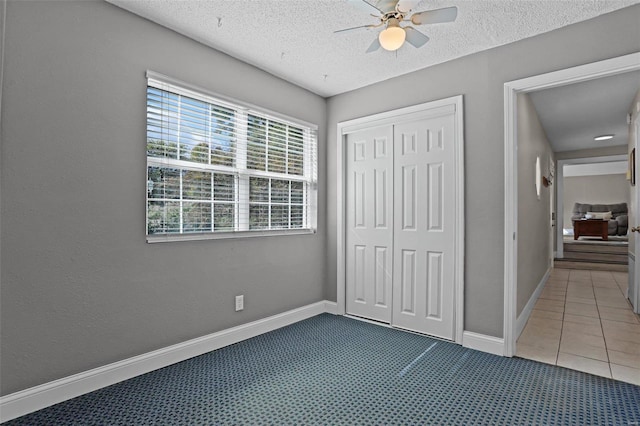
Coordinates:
[599,215]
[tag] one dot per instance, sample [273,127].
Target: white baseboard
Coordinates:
[331,307]
[482,342]
[36,398]
[526,312]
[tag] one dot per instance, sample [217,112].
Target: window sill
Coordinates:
[167,238]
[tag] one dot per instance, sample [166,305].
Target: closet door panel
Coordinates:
[369,223]
[424,225]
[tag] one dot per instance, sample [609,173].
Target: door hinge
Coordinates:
[514,236]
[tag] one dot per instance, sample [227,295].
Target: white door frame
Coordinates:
[553,209]
[401,115]
[560,191]
[577,74]
[633,288]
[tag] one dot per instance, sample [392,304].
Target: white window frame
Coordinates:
[243,110]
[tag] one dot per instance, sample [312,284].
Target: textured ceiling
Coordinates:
[573,115]
[295,40]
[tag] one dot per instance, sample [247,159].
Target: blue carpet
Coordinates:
[331,370]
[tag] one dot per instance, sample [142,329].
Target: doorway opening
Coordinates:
[512,89]
[582,183]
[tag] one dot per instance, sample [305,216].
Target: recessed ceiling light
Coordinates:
[603,137]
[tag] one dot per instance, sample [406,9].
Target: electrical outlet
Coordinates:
[239,302]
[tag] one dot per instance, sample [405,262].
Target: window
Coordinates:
[216,167]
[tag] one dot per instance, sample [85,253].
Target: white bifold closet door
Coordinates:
[369,221]
[401,225]
[424,239]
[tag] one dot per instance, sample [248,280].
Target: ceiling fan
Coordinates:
[391,13]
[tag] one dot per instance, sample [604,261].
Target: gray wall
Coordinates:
[534,214]
[3,6]
[80,287]
[600,189]
[480,78]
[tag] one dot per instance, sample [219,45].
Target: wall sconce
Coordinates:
[548,181]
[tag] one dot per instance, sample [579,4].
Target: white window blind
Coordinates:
[219,167]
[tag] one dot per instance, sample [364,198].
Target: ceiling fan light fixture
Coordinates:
[392,38]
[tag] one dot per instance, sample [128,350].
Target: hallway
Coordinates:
[583,321]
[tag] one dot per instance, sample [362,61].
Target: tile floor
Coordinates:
[583,321]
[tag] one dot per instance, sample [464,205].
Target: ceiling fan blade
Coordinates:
[405,6]
[354,28]
[415,37]
[365,6]
[437,16]
[374,46]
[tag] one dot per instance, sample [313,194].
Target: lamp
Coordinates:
[392,38]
